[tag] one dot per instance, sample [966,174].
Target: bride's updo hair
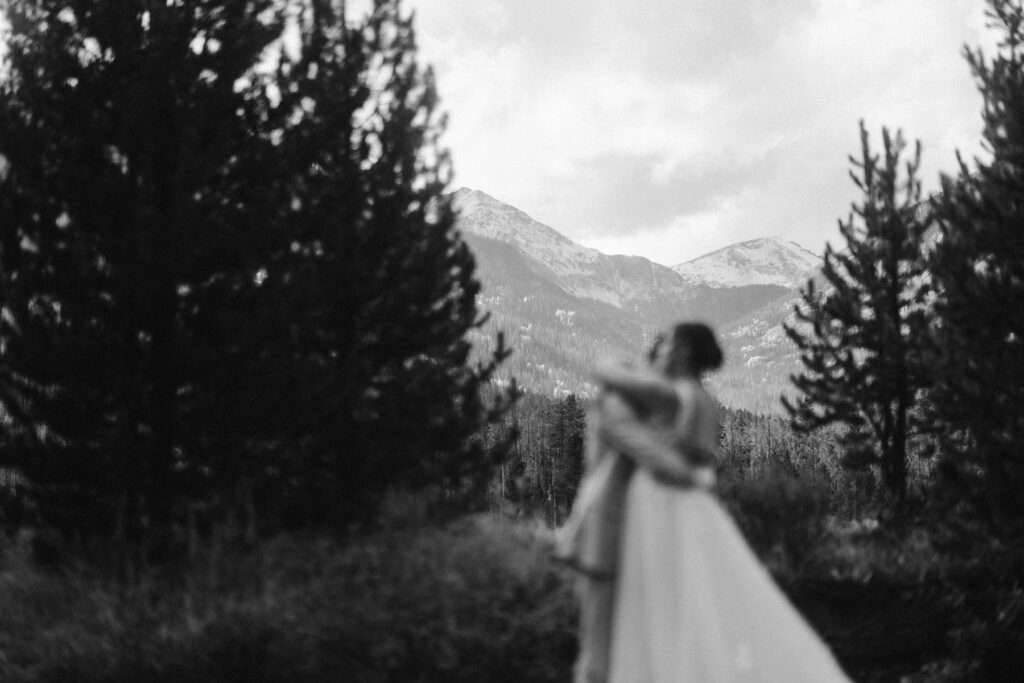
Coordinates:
[704,353]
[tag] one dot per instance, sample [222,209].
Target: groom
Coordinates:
[619,436]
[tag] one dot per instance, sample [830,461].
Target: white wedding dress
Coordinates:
[693,604]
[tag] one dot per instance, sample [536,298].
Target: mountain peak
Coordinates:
[484,215]
[762,261]
[466,198]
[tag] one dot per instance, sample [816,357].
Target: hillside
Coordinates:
[759,358]
[564,307]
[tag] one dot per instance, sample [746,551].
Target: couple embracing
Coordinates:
[669,590]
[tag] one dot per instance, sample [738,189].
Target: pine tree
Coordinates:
[138,207]
[860,337]
[395,396]
[978,271]
[565,438]
[227,257]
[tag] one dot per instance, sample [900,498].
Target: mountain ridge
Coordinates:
[626,282]
[761,261]
[564,307]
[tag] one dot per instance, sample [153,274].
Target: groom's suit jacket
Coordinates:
[589,540]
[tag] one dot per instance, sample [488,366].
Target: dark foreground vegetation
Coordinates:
[479,599]
[476,600]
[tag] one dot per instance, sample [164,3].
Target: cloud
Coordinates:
[617,193]
[673,123]
[658,39]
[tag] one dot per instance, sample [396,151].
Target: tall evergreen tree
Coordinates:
[226,255]
[564,466]
[860,336]
[978,270]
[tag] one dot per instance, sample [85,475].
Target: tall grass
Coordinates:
[478,600]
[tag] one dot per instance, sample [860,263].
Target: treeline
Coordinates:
[541,474]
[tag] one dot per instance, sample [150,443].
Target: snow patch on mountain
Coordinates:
[765,261]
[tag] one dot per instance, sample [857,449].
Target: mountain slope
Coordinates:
[556,337]
[759,357]
[629,283]
[564,307]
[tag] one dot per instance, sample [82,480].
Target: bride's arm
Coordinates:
[650,448]
[642,387]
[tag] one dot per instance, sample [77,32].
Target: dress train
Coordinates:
[693,604]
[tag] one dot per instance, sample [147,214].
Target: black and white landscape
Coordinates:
[564,307]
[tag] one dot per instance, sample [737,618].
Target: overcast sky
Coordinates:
[670,128]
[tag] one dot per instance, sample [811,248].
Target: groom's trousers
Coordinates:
[596,601]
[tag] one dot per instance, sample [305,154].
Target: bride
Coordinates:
[688,601]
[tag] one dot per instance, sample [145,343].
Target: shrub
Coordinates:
[782,517]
